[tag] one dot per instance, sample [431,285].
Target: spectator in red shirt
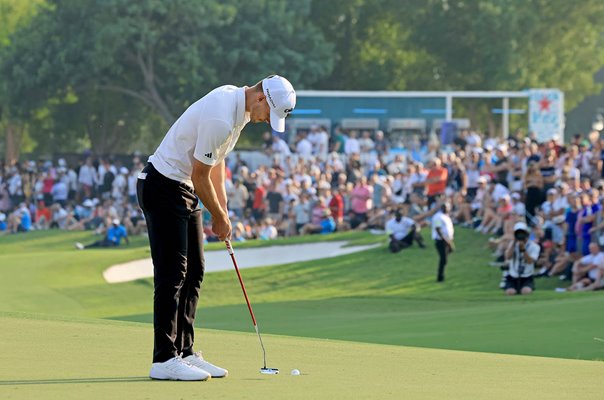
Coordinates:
[259,204]
[336,206]
[436,181]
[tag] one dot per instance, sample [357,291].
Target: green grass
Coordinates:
[74,358]
[372,296]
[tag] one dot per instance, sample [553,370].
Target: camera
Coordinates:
[521,235]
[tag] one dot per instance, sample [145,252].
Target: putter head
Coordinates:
[269,371]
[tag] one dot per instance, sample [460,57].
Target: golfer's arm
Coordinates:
[205,190]
[218,177]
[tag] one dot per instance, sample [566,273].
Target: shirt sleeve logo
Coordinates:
[209,155]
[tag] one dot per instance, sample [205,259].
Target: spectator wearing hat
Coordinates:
[521,255]
[113,237]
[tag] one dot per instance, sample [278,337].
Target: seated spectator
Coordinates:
[267,230]
[112,238]
[43,216]
[521,255]
[585,270]
[3,225]
[402,231]
[326,225]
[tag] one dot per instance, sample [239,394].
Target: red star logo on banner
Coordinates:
[544,104]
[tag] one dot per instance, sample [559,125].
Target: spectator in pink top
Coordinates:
[361,201]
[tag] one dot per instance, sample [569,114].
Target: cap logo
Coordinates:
[288,110]
[270,98]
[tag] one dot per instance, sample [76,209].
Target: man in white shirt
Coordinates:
[352,145]
[442,234]
[521,255]
[188,166]
[402,231]
[586,269]
[304,147]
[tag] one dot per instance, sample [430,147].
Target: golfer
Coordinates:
[188,166]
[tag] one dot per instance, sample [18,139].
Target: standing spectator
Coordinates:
[339,141]
[336,206]
[275,203]
[259,203]
[436,181]
[132,179]
[586,219]
[238,196]
[302,211]
[361,201]
[442,234]
[120,184]
[88,178]
[59,191]
[521,254]
[304,147]
[322,143]
[106,175]
[533,189]
[352,145]
[381,144]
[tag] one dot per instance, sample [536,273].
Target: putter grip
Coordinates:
[229,247]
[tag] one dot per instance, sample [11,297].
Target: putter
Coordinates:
[264,369]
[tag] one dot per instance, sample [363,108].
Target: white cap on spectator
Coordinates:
[551,191]
[281,98]
[123,170]
[88,203]
[520,226]
[2,217]
[62,162]
[116,221]
[516,196]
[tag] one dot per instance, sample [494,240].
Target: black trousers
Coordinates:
[443,251]
[175,231]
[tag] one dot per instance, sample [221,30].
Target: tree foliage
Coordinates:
[111,68]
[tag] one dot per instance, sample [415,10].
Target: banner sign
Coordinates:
[546,114]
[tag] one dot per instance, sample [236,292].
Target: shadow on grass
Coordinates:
[74,380]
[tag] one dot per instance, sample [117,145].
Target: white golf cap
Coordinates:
[281,98]
[520,226]
[116,221]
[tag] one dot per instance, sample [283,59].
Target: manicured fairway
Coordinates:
[72,358]
[371,296]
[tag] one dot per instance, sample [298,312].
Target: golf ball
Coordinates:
[295,372]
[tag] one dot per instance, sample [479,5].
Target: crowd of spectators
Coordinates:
[323,181]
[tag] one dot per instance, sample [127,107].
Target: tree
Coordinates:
[162,53]
[13,14]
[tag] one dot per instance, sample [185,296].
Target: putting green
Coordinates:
[95,359]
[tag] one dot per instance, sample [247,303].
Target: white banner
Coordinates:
[546,114]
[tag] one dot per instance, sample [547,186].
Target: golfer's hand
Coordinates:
[222,227]
[451,247]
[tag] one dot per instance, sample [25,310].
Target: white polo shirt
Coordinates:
[207,131]
[401,228]
[442,221]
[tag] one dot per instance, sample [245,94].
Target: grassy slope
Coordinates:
[72,358]
[371,296]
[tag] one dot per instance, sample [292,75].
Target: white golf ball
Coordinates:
[295,372]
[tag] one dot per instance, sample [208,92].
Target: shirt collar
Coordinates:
[242,117]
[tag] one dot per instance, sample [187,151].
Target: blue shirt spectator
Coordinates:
[116,233]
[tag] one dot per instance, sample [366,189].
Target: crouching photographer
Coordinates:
[521,255]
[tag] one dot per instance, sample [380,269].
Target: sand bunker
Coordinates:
[246,258]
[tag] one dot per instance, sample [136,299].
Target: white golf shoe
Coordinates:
[198,361]
[176,369]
